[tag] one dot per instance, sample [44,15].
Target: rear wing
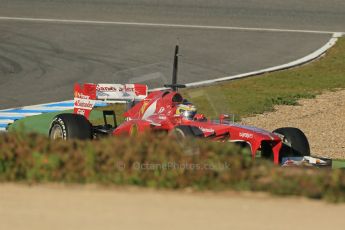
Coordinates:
[86,95]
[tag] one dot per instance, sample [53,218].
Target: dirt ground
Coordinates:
[90,207]
[321,119]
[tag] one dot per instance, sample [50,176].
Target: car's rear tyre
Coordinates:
[70,126]
[295,143]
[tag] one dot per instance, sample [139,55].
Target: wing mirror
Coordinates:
[223,118]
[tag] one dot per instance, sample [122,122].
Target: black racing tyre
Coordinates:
[295,143]
[70,126]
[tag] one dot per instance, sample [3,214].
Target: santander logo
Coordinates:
[84,103]
[106,88]
[206,130]
[246,135]
[114,88]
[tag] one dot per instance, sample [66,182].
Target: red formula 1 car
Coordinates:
[166,110]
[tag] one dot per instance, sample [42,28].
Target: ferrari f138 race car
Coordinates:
[168,111]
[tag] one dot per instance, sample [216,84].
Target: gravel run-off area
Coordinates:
[322,120]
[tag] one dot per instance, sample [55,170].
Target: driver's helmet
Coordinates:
[187,110]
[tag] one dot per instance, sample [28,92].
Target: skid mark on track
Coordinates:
[9,66]
[29,54]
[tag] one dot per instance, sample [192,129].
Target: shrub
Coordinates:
[160,162]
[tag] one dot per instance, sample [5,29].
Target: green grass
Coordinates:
[41,123]
[338,164]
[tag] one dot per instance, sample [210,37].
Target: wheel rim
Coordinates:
[178,134]
[56,133]
[189,148]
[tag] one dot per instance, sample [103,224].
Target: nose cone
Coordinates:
[249,132]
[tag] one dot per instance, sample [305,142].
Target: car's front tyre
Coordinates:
[295,142]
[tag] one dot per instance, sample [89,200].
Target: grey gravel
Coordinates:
[321,119]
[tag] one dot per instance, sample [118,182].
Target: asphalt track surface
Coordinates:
[40,61]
